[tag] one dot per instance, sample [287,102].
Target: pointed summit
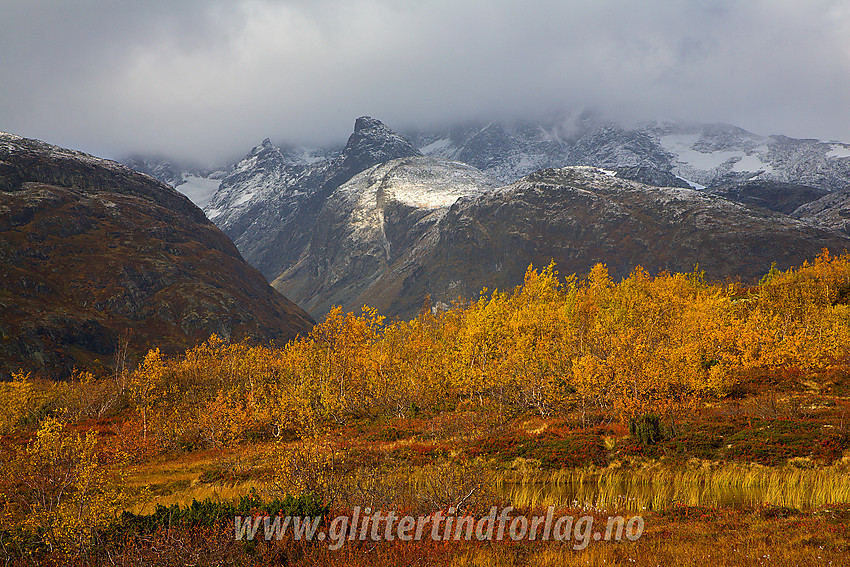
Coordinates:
[372,143]
[367,122]
[264,147]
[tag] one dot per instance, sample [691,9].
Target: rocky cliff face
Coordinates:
[269,205]
[91,251]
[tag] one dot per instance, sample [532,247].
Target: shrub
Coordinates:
[62,491]
[647,428]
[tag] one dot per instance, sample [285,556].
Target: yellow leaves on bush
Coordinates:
[147,385]
[799,318]
[16,398]
[224,421]
[25,401]
[310,467]
[61,490]
[214,395]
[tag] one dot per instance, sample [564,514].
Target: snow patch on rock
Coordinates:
[839,151]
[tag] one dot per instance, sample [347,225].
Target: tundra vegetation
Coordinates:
[715,410]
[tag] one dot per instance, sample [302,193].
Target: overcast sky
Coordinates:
[209,79]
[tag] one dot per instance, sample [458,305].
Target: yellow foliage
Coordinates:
[648,344]
[16,399]
[25,401]
[311,467]
[62,491]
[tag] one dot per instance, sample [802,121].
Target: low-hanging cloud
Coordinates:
[205,80]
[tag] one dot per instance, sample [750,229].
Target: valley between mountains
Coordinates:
[95,253]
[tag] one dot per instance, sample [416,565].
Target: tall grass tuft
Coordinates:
[655,487]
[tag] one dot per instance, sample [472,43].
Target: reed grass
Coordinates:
[650,486]
[656,486]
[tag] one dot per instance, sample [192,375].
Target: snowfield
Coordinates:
[839,151]
[199,189]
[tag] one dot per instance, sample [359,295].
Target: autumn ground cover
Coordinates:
[718,412]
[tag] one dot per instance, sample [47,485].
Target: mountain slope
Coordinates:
[91,250]
[199,184]
[777,196]
[325,235]
[269,205]
[830,211]
[580,216]
[380,253]
[371,230]
[710,155]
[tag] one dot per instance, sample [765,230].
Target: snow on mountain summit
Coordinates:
[421,182]
[703,155]
[374,226]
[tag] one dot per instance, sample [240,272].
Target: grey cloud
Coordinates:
[206,80]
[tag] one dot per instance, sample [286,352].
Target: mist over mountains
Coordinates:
[390,219]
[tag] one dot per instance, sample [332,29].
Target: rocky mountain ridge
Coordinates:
[373,228]
[720,157]
[703,155]
[580,216]
[575,216]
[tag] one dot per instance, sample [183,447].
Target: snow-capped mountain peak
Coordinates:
[372,142]
[272,188]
